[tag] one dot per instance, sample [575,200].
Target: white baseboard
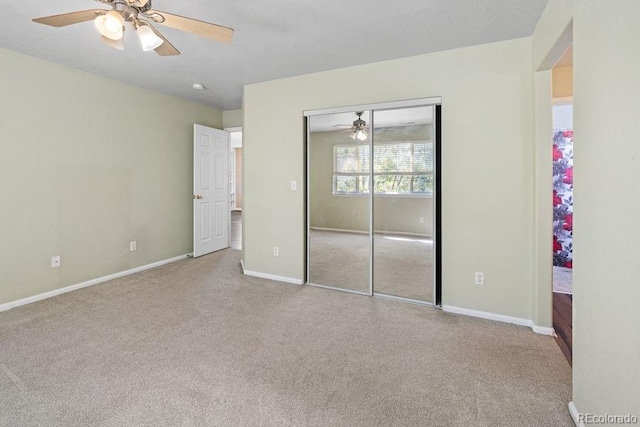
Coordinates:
[499,318]
[404,233]
[56,292]
[242,265]
[399,233]
[574,414]
[486,315]
[339,230]
[543,330]
[271,277]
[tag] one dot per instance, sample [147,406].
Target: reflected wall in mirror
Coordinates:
[338,201]
[403,211]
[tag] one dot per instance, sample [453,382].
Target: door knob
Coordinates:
[198,196]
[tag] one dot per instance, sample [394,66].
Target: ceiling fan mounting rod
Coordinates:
[128,12]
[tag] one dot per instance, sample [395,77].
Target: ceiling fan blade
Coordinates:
[201,28]
[166,48]
[70,18]
[350,126]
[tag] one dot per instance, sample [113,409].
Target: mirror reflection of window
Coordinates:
[400,167]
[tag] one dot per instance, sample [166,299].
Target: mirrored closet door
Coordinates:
[371,200]
[339,211]
[403,176]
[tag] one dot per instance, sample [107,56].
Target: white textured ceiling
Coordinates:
[273,39]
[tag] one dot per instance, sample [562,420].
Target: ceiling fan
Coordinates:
[358,128]
[139,14]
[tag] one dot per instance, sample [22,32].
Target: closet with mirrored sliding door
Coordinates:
[372,190]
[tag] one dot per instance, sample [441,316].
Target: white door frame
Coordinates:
[231,149]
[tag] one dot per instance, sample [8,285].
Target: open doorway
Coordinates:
[562,75]
[235,187]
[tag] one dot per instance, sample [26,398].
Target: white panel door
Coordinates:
[210,190]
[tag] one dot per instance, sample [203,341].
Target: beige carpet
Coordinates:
[195,343]
[403,265]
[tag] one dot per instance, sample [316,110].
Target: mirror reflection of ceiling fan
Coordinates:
[139,15]
[358,128]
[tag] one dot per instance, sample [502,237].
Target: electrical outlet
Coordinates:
[479,276]
[421,220]
[55,261]
[294,185]
[276,251]
[133,246]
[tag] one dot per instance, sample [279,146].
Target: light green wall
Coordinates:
[232,118]
[551,38]
[486,154]
[552,34]
[392,213]
[87,165]
[607,207]
[543,206]
[606,344]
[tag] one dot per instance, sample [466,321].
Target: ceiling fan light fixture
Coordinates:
[359,135]
[148,38]
[358,132]
[110,25]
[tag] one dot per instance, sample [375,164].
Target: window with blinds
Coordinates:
[398,168]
